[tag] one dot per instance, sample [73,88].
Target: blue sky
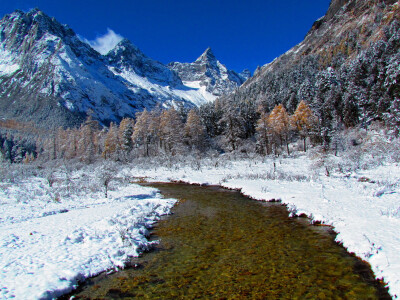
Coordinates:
[242,33]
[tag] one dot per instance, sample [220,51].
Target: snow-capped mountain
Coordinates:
[126,56]
[48,76]
[209,74]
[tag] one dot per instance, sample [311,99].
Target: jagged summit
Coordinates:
[20,31]
[207,56]
[126,56]
[127,49]
[245,74]
[210,74]
[38,20]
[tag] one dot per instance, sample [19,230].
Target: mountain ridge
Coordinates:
[208,72]
[50,77]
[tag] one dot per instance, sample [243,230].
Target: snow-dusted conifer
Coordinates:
[393,116]
[263,133]
[211,114]
[125,135]
[350,107]
[232,123]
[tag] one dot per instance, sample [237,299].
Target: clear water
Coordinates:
[221,245]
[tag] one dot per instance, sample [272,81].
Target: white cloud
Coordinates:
[106,42]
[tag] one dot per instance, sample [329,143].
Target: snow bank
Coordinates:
[47,246]
[363,207]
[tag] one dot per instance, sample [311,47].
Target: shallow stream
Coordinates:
[218,244]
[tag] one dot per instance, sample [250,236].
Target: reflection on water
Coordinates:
[221,245]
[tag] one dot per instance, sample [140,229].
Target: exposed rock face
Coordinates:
[208,72]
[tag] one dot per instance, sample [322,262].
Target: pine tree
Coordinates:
[7,151]
[125,135]
[393,76]
[211,114]
[263,133]
[233,124]
[248,118]
[350,107]
[393,116]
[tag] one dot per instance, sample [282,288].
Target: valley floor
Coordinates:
[49,241]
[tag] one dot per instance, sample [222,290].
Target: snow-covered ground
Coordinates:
[50,238]
[363,207]
[57,227]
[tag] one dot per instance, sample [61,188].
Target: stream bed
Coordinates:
[218,244]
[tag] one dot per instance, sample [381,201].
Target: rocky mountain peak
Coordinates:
[125,50]
[41,23]
[207,71]
[128,57]
[207,57]
[338,8]
[334,7]
[20,31]
[245,74]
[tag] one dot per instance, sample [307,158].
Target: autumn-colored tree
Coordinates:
[303,121]
[141,131]
[171,130]
[279,126]
[111,143]
[29,157]
[88,140]
[155,129]
[195,131]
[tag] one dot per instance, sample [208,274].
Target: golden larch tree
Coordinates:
[278,123]
[303,121]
